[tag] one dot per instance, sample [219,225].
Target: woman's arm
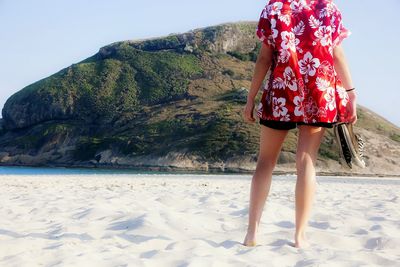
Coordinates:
[343,71]
[263,63]
[341,67]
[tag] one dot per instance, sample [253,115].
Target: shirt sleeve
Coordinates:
[339,32]
[264,29]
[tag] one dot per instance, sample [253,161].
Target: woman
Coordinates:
[309,87]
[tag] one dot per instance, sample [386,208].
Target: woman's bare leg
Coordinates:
[307,151]
[270,145]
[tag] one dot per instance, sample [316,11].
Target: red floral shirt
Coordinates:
[302,84]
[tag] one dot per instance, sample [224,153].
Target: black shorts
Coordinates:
[288,125]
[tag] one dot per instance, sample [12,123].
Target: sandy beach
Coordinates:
[192,220]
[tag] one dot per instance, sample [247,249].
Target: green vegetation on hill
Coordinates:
[100,90]
[215,136]
[161,76]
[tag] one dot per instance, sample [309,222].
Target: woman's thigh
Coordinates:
[271,141]
[309,141]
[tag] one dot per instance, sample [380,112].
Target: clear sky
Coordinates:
[40,37]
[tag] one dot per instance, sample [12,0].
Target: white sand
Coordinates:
[187,220]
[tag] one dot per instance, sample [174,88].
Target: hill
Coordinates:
[171,103]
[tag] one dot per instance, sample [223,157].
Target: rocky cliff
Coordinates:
[172,103]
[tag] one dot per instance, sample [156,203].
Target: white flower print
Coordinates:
[330,49]
[314,23]
[271,41]
[298,110]
[285,118]
[268,76]
[285,18]
[300,87]
[298,5]
[310,108]
[299,28]
[279,107]
[330,99]
[284,55]
[333,24]
[322,84]
[289,41]
[273,28]
[309,65]
[290,79]
[326,69]
[278,83]
[275,8]
[264,13]
[260,110]
[324,35]
[269,97]
[326,11]
[342,95]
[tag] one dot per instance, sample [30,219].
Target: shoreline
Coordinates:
[187,171]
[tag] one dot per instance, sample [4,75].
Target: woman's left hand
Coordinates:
[352,107]
[248,110]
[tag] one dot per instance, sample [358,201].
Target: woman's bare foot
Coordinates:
[250,239]
[301,241]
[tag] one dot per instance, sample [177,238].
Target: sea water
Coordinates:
[55,171]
